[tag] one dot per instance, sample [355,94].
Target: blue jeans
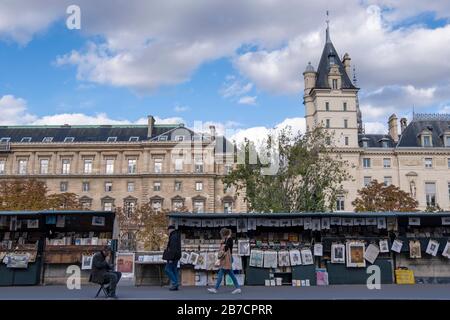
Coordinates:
[171,270]
[220,275]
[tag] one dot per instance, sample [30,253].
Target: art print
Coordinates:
[325,223]
[98,221]
[446,252]
[307,256]
[295,257]
[415,251]
[355,254]
[125,264]
[414,221]
[185,257]
[318,249]
[283,258]
[33,223]
[337,253]
[372,253]
[384,246]
[193,258]
[432,247]
[381,223]
[244,247]
[270,259]
[397,246]
[86,262]
[256,258]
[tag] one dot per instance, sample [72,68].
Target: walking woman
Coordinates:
[225,261]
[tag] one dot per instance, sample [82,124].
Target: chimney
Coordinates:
[393,128]
[212,132]
[346,62]
[151,124]
[403,124]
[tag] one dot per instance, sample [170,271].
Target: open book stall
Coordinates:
[39,246]
[307,249]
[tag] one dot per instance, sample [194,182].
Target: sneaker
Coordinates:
[212,290]
[173,288]
[236,291]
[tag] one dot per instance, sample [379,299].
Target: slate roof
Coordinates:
[375,140]
[437,128]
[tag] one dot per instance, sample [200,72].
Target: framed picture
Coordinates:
[201,261]
[355,254]
[318,249]
[446,252]
[283,258]
[50,219]
[335,221]
[414,221]
[325,223]
[445,221]
[125,264]
[237,262]
[432,247]
[415,249]
[243,247]
[372,253]
[315,225]
[384,245]
[397,245]
[211,258]
[86,262]
[185,257]
[208,223]
[359,221]
[33,223]
[392,224]
[193,258]
[13,223]
[371,221]
[241,225]
[297,222]
[295,257]
[347,222]
[251,224]
[307,223]
[98,221]
[256,258]
[337,253]
[270,259]
[307,256]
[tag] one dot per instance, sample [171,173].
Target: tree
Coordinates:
[379,197]
[31,194]
[309,175]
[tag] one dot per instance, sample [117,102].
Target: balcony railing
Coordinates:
[5,147]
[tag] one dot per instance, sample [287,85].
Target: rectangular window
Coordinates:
[132,166]
[162,138]
[345,123]
[340,203]
[178,186]
[327,106]
[327,123]
[158,165]
[26,139]
[365,144]
[130,186]
[386,162]
[427,141]
[87,166]
[23,166]
[345,106]
[198,186]
[178,165]
[198,165]
[447,141]
[199,206]
[367,181]
[108,186]
[65,166]
[229,167]
[43,166]
[430,193]
[384,144]
[448,185]
[47,139]
[134,139]
[64,186]
[335,84]
[177,204]
[69,139]
[2,166]
[107,206]
[109,166]
[428,162]
[86,205]
[156,205]
[346,141]
[157,186]
[228,207]
[366,162]
[111,139]
[85,186]
[387,181]
[5,139]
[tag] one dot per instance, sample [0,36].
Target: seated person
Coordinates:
[102,271]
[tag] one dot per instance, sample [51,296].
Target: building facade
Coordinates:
[415,158]
[170,166]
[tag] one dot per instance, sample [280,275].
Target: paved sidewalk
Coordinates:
[127,291]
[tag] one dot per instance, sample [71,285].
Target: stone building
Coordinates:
[416,158]
[110,166]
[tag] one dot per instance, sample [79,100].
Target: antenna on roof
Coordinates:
[328,28]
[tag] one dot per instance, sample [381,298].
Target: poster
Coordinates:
[297,222]
[256,258]
[50,219]
[325,223]
[17,261]
[237,262]
[185,257]
[355,254]
[359,222]
[243,247]
[283,258]
[193,258]
[337,253]
[285,223]
[295,257]
[125,264]
[384,245]
[397,246]
[335,221]
[219,222]
[307,224]
[446,252]
[322,277]
[241,225]
[33,223]
[318,249]
[201,261]
[392,224]
[307,257]
[371,221]
[347,222]
[270,259]
[251,224]
[315,225]
[381,223]
[211,258]
[415,249]
[371,253]
[13,223]
[414,221]
[86,262]
[98,221]
[446,221]
[432,247]
[201,279]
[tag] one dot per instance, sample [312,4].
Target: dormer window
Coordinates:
[365,142]
[5,139]
[69,139]
[47,139]
[162,138]
[384,144]
[111,139]
[426,141]
[134,139]
[26,139]
[447,140]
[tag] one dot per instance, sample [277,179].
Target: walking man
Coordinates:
[172,255]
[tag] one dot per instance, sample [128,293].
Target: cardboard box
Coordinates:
[187,277]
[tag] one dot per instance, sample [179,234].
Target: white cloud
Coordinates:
[375,128]
[250,100]
[179,108]
[14,111]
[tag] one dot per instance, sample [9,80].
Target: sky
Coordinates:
[235,64]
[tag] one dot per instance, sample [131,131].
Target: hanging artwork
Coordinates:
[98,221]
[297,222]
[211,259]
[251,224]
[50,219]
[432,247]
[397,245]
[283,258]
[359,221]
[260,222]
[371,221]
[347,222]
[256,258]
[307,256]
[335,221]
[270,259]
[241,225]
[273,223]
[325,223]
[185,257]
[125,264]
[207,223]
[337,253]
[295,257]
[414,221]
[236,262]
[219,222]
[321,277]
[381,223]
[372,253]
[384,245]
[414,249]
[13,223]
[315,225]
[243,247]
[193,258]
[392,224]
[285,222]
[446,252]
[33,223]
[201,261]
[355,254]
[318,249]
[307,224]
[86,262]
[446,221]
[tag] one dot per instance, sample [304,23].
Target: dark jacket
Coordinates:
[99,267]
[173,250]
